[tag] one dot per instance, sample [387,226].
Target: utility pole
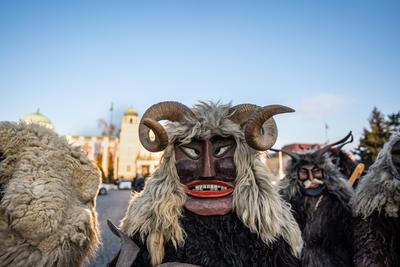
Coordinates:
[111,113]
[326,132]
[110,132]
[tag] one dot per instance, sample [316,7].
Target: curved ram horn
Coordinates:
[293,155]
[340,144]
[169,110]
[261,131]
[241,113]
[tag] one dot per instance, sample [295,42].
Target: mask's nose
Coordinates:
[310,175]
[208,169]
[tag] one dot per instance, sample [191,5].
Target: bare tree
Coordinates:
[107,129]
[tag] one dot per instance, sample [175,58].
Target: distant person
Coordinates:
[139,183]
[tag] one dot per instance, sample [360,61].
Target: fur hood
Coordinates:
[155,212]
[379,189]
[47,203]
[291,187]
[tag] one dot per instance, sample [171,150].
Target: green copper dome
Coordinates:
[36,117]
[131,112]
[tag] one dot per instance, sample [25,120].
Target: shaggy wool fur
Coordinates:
[325,220]
[377,203]
[156,213]
[204,236]
[343,162]
[47,210]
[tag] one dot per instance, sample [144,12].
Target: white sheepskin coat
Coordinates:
[47,199]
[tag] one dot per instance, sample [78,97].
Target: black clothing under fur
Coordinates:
[326,227]
[221,241]
[377,240]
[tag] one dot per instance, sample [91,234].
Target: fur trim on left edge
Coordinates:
[47,212]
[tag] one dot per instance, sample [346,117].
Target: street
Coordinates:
[111,206]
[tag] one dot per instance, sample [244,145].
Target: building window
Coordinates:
[145,169]
[130,121]
[128,168]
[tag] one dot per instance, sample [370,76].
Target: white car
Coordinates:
[125,185]
[104,188]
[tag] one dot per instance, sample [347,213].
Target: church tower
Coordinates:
[129,145]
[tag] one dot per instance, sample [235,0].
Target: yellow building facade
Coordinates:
[118,157]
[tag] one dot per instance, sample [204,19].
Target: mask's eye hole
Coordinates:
[220,151]
[317,173]
[192,153]
[303,174]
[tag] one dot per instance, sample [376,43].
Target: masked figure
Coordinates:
[211,202]
[320,197]
[48,191]
[376,203]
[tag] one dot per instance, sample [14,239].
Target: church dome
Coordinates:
[131,112]
[38,118]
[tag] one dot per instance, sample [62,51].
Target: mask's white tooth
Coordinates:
[215,188]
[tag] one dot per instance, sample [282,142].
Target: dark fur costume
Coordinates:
[221,241]
[325,220]
[343,162]
[377,203]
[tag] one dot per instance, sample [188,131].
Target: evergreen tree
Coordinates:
[373,139]
[394,121]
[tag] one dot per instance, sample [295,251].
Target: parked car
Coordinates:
[124,184]
[104,188]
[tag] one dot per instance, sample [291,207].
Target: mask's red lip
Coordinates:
[209,188]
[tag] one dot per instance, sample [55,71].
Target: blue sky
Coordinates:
[331,61]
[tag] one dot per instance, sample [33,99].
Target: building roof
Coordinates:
[300,147]
[131,112]
[36,117]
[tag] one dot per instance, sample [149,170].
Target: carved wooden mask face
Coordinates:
[207,168]
[311,179]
